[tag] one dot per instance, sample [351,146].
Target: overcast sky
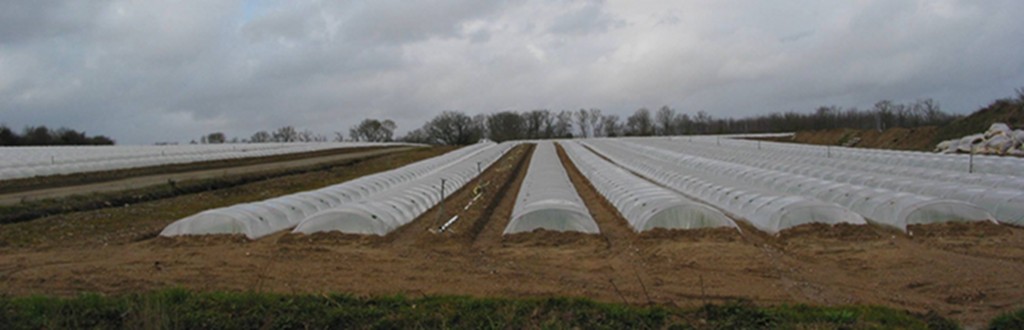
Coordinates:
[149,71]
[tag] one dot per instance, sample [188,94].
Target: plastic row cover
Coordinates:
[644,205]
[265,217]
[547,198]
[1007,205]
[23,162]
[948,162]
[981,179]
[47,155]
[896,209]
[767,210]
[402,203]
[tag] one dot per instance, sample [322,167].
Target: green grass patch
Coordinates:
[1012,320]
[182,309]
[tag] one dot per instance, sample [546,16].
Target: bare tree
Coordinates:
[535,123]
[640,123]
[583,121]
[373,130]
[416,136]
[596,122]
[453,128]
[563,125]
[665,121]
[505,125]
[286,134]
[683,124]
[611,126]
[261,137]
[214,138]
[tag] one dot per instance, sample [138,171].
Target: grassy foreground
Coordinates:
[182,309]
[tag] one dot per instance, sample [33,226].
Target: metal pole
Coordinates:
[758,144]
[440,213]
[829,150]
[970,165]
[478,169]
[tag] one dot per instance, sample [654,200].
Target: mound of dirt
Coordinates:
[333,238]
[551,238]
[842,232]
[693,235]
[200,240]
[959,229]
[896,138]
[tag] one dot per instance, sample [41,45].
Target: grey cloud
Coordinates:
[590,18]
[173,70]
[22,21]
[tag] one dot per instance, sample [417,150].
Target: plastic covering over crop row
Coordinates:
[402,203]
[768,210]
[25,162]
[960,163]
[644,205]
[265,217]
[547,198]
[884,206]
[993,192]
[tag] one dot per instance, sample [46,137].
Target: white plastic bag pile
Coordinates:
[998,140]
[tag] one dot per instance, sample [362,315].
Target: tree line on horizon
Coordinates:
[44,136]
[458,128]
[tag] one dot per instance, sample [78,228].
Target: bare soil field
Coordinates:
[969,273]
[897,138]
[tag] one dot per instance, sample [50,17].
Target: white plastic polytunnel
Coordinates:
[644,205]
[404,202]
[297,207]
[547,198]
[24,162]
[865,197]
[251,219]
[769,210]
[998,194]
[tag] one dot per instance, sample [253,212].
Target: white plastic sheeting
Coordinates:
[25,162]
[644,205]
[998,140]
[547,198]
[766,209]
[1000,195]
[287,211]
[402,203]
[884,206]
[959,163]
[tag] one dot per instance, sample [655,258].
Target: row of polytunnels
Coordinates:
[27,162]
[673,183]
